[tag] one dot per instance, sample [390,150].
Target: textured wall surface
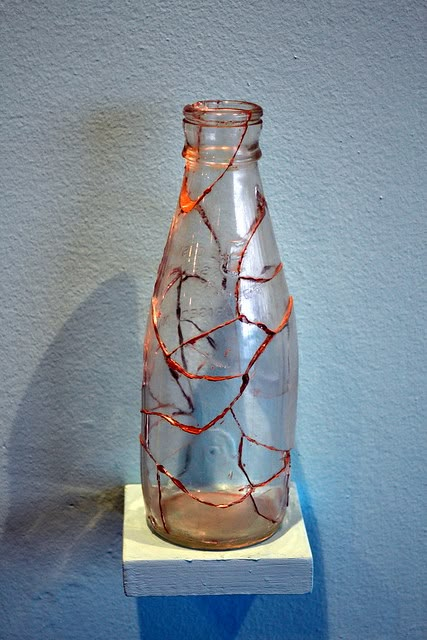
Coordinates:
[90,139]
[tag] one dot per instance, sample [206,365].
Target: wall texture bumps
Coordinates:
[90,171]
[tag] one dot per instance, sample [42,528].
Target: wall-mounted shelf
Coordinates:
[153,567]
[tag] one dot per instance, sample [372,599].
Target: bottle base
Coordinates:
[189,523]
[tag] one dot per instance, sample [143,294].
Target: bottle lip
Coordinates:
[222,113]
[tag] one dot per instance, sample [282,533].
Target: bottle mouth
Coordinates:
[222,113]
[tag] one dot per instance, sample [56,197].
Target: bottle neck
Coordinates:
[222,133]
[221,147]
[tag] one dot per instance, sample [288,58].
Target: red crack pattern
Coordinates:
[183,374]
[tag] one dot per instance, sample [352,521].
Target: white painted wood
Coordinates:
[153,567]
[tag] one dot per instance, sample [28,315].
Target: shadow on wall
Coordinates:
[61,548]
[277,617]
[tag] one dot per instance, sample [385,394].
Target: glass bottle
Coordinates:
[220,352]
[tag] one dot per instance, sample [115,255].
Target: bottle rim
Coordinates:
[222,113]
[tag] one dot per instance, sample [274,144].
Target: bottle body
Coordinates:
[220,355]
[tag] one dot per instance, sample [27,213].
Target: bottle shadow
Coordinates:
[270,617]
[72,446]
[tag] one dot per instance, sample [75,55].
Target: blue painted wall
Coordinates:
[90,144]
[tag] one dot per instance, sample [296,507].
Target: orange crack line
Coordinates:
[245,380]
[173,364]
[160,468]
[180,275]
[241,317]
[261,206]
[277,270]
[285,468]
[248,490]
[185,202]
[252,440]
[203,334]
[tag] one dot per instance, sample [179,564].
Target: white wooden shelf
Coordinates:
[153,567]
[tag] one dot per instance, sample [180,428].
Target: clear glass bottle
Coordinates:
[220,352]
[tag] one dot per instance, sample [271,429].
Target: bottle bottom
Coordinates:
[190,523]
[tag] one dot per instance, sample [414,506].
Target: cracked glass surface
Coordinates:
[220,353]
